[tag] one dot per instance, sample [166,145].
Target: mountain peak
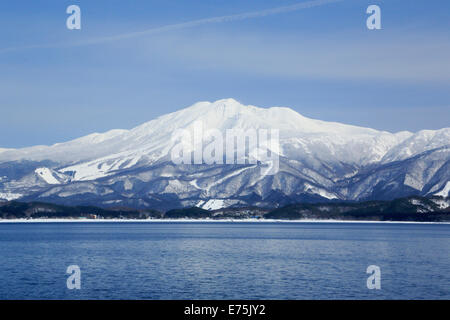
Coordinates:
[318,160]
[227,106]
[227,102]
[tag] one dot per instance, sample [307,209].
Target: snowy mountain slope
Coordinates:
[315,136]
[422,174]
[51,176]
[72,151]
[417,143]
[319,161]
[445,191]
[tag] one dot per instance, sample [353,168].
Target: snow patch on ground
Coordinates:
[127,185]
[443,204]
[444,192]
[194,184]
[10,196]
[412,182]
[421,207]
[320,192]
[47,175]
[87,171]
[214,204]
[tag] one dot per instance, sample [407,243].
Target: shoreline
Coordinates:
[206,221]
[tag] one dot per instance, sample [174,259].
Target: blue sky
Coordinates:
[58,84]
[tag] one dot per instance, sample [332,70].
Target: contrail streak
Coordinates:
[184,25]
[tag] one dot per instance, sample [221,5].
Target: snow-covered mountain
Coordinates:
[318,161]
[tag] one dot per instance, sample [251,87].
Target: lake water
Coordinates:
[224,260]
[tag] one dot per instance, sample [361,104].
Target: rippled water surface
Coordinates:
[220,260]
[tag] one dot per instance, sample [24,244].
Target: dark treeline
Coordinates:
[403,209]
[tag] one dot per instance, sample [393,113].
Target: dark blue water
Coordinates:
[224,260]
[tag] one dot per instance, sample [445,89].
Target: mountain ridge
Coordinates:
[318,160]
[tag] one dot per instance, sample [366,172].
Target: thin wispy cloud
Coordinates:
[184,25]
